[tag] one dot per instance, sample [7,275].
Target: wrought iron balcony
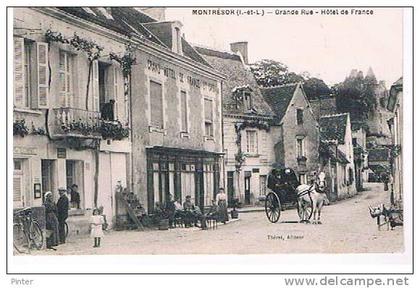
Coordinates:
[74,122]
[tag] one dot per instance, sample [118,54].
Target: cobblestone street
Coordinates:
[347,228]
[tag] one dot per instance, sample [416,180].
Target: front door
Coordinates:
[230,188]
[247,189]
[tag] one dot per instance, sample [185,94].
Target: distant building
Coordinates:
[335,130]
[395,105]
[246,125]
[295,133]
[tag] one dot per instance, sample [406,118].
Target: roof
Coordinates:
[378,154]
[237,76]
[331,152]
[279,97]
[129,21]
[322,106]
[333,127]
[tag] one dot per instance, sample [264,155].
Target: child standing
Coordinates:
[96,222]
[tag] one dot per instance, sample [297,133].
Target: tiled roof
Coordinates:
[378,154]
[279,98]
[334,154]
[333,127]
[129,21]
[323,106]
[237,75]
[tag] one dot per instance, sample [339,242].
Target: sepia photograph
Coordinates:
[209,131]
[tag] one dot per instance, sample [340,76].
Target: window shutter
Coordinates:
[156,105]
[18,71]
[17,188]
[208,110]
[116,92]
[95,85]
[43,74]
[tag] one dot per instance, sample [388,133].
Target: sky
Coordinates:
[327,46]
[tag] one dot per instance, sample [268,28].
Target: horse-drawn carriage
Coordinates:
[285,190]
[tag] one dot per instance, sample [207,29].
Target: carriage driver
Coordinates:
[274,182]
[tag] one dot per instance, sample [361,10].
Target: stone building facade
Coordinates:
[295,133]
[335,131]
[59,134]
[249,153]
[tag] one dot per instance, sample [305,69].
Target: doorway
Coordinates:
[247,187]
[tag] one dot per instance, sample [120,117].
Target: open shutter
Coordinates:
[18,71]
[43,74]
[95,85]
[116,92]
[17,190]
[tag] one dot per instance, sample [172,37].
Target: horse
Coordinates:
[312,195]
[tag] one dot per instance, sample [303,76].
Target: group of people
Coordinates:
[190,213]
[55,217]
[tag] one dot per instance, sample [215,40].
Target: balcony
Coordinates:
[74,122]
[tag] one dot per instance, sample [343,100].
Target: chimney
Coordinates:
[241,47]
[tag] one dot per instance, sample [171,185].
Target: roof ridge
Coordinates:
[202,46]
[334,115]
[282,85]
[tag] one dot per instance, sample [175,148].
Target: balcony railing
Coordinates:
[74,122]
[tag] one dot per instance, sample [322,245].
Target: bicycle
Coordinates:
[27,233]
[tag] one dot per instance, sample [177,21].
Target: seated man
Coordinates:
[198,216]
[189,208]
[213,211]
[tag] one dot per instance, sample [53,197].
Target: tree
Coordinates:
[270,73]
[356,95]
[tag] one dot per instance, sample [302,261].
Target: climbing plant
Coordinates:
[125,61]
[89,47]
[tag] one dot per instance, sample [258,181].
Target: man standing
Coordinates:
[62,214]
[75,196]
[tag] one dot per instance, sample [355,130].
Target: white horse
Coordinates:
[312,195]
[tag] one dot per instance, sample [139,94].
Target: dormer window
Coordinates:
[176,38]
[88,10]
[104,12]
[247,101]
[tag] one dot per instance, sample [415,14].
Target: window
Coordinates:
[65,78]
[300,147]
[208,117]
[178,47]
[247,101]
[251,142]
[184,112]
[302,178]
[156,105]
[299,116]
[26,89]
[354,141]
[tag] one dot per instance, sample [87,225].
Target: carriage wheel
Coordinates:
[272,207]
[307,211]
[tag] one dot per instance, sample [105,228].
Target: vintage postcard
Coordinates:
[200,132]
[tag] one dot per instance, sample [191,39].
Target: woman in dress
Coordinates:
[222,205]
[96,222]
[51,221]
